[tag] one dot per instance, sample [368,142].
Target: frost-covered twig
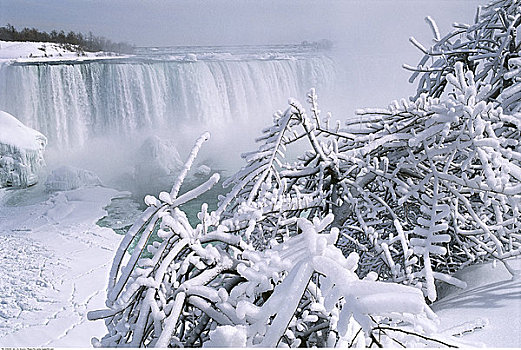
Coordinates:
[298,288]
[489,48]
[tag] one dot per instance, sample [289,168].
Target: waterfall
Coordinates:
[72,102]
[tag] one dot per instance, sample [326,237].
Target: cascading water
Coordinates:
[72,102]
[100,114]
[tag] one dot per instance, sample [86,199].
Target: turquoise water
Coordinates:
[123,211]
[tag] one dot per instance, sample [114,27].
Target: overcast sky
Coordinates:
[370,36]
[211,22]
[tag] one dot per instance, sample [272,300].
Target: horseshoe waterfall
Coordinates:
[73,102]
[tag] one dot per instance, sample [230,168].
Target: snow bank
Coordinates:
[15,133]
[17,49]
[46,52]
[21,152]
[488,311]
[68,178]
[54,260]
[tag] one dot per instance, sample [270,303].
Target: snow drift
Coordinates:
[487,311]
[30,51]
[21,152]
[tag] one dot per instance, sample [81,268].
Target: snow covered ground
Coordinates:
[55,263]
[45,52]
[488,311]
[16,134]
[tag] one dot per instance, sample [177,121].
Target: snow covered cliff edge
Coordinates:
[21,152]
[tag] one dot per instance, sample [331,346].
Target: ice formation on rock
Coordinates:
[21,152]
[68,178]
[158,162]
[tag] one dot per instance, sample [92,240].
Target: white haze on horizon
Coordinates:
[231,22]
[370,37]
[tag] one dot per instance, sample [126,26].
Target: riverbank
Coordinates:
[55,262]
[28,52]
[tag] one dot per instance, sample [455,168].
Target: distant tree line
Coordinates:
[84,42]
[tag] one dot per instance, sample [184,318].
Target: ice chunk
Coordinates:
[158,164]
[158,157]
[203,171]
[191,57]
[21,152]
[68,178]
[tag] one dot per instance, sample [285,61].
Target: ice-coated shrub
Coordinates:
[445,184]
[489,48]
[210,285]
[342,245]
[402,198]
[419,190]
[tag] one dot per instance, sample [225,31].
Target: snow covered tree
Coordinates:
[342,245]
[409,195]
[210,285]
[489,48]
